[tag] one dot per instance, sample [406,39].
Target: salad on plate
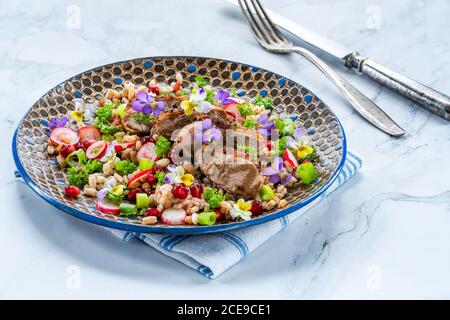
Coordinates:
[181,153]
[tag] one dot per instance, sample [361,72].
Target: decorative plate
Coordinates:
[45,177]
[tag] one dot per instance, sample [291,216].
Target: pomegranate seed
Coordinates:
[256,207]
[180,192]
[197,190]
[72,191]
[219,215]
[118,148]
[151,179]
[152,212]
[154,89]
[66,150]
[132,194]
[100,103]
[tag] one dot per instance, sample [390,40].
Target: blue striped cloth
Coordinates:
[213,254]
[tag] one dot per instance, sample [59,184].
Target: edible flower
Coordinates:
[177,175]
[241,209]
[299,143]
[265,126]
[222,97]
[83,111]
[196,103]
[277,172]
[146,104]
[108,186]
[205,132]
[110,153]
[56,123]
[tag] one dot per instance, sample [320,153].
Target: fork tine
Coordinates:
[254,27]
[272,27]
[262,22]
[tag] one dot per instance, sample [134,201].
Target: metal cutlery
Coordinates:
[271,39]
[431,99]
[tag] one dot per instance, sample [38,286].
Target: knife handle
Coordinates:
[427,97]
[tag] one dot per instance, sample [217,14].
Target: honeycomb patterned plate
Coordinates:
[43,175]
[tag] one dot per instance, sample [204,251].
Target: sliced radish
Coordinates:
[289,157]
[232,108]
[96,150]
[89,134]
[173,216]
[148,151]
[122,146]
[139,175]
[106,206]
[62,136]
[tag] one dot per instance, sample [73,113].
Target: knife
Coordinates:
[432,100]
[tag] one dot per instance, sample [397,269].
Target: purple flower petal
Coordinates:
[227,101]
[141,96]
[137,106]
[275,178]
[269,171]
[102,194]
[278,163]
[147,109]
[286,179]
[299,133]
[215,134]
[206,124]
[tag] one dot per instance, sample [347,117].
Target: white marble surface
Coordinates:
[385,236]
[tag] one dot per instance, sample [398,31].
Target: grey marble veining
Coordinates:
[384,236]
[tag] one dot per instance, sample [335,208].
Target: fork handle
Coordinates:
[362,104]
[432,100]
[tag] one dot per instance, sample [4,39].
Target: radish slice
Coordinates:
[148,151]
[96,150]
[139,175]
[62,136]
[232,108]
[106,206]
[289,157]
[122,146]
[173,216]
[89,134]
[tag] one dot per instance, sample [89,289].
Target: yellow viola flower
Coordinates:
[304,151]
[188,107]
[241,209]
[77,115]
[187,179]
[118,190]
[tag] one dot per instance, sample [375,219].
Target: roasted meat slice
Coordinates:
[232,172]
[133,126]
[168,124]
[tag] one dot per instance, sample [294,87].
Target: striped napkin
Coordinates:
[213,254]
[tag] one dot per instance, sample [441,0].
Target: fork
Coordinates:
[271,39]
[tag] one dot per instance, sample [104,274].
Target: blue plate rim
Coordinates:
[177,230]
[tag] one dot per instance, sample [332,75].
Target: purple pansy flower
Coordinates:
[146,104]
[56,123]
[265,126]
[223,96]
[277,172]
[298,140]
[206,133]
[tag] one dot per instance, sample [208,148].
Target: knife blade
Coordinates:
[432,100]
